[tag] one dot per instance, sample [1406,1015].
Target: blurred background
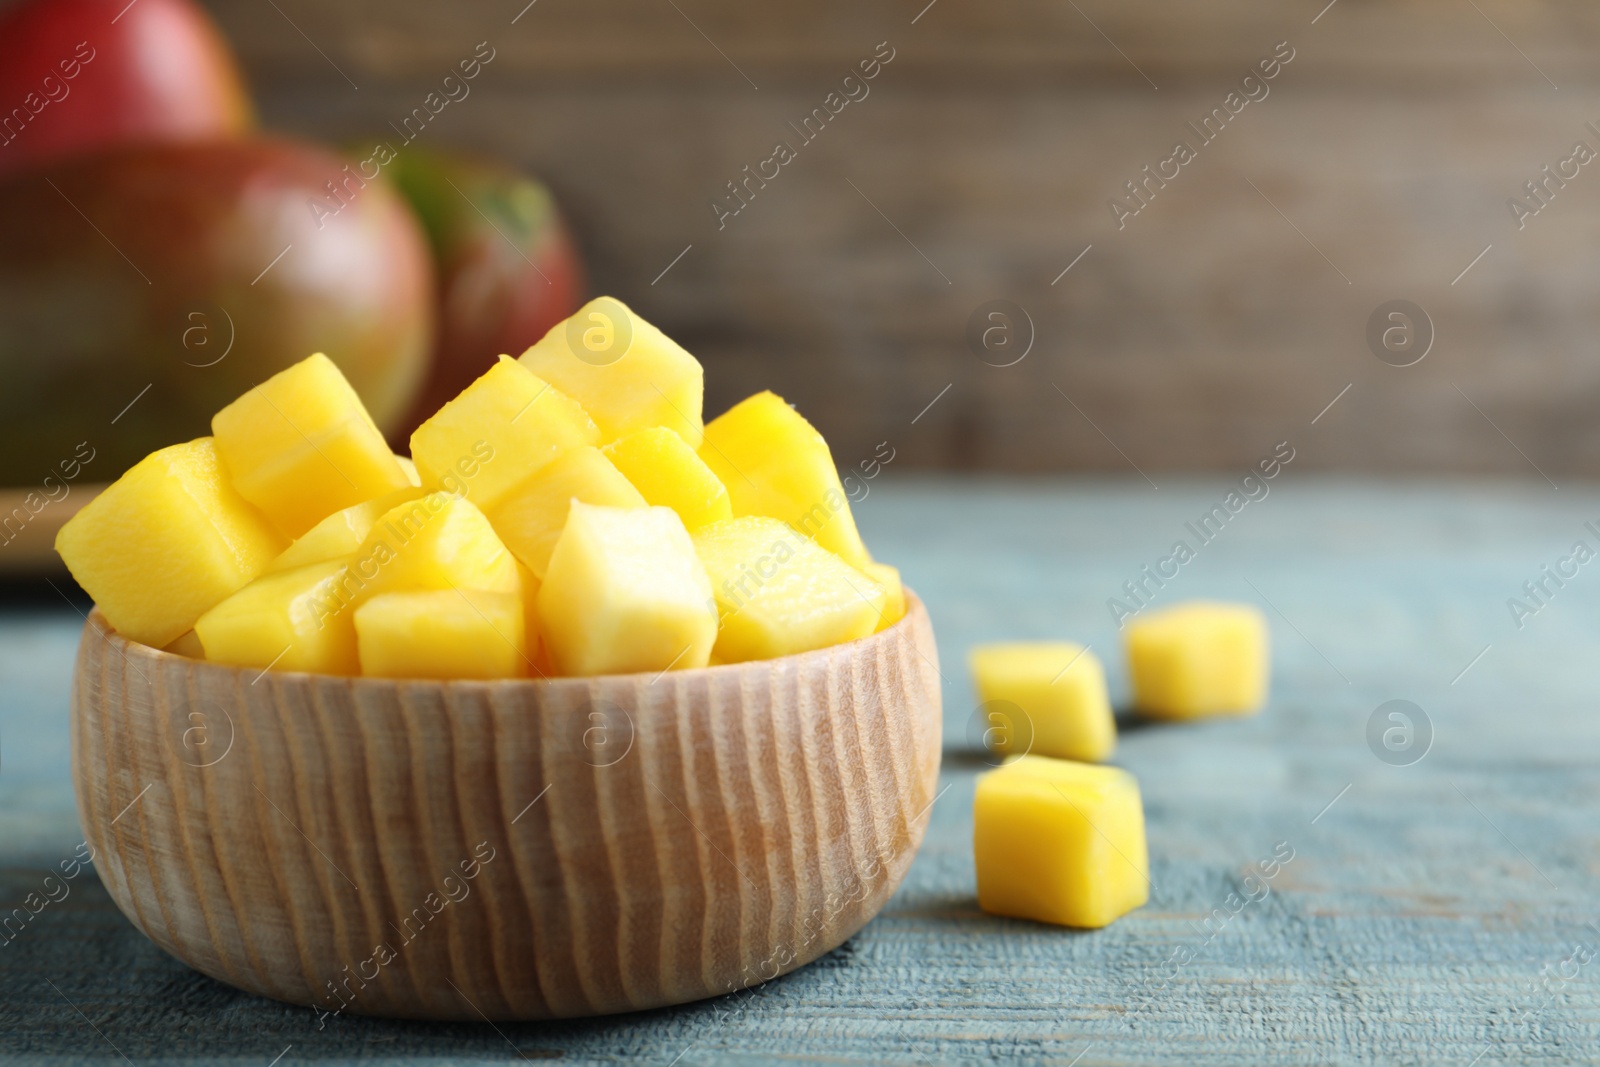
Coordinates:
[948,260]
[1218,321]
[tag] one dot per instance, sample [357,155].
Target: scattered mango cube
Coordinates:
[894,605]
[453,633]
[292,620]
[500,429]
[625,372]
[1059,689]
[774,463]
[340,534]
[165,542]
[301,445]
[1197,659]
[625,593]
[669,473]
[439,541]
[1059,842]
[530,516]
[779,593]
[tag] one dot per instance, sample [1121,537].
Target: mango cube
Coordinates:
[292,620]
[165,542]
[1059,842]
[530,517]
[668,473]
[439,541]
[625,372]
[1059,691]
[779,593]
[894,606]
[1197,659]
[186,644]
[301,445]
[500,429]
[409,468]
[464,633]
[625,593]
[340,534]
[774,463]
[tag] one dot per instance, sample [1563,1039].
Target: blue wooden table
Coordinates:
[1439,906]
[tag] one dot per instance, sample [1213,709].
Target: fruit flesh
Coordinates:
[774,463]
[625,593]
[503,427]
[1197,659]
[894,606]
[291,620]
[1059,842]
[165,542]
[465,633]
[531,516]
[779,593]
[625,372]
[301,446]
[340,534]
[668,473]
[1044,697]
[438,542]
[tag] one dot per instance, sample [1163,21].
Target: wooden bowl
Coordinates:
[521,849]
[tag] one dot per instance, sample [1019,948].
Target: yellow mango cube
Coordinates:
[340,534]
[439,541]
[301,445]
[671,475]
[1058,691]
[165,542]
[530,517]
[500,429]
[625,593]
[452,633]
[409,467]
[1059,842]
[774,463]
[894,606]
[779,593]
[626,373]
[186,644]
[291,620]
[1197,659]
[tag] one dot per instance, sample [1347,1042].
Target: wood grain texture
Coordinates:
[505,850]
[1196,337]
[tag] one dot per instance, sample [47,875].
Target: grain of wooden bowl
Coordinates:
[521,849]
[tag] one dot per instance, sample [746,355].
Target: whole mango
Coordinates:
[142,288]
[507,268]
[77,75]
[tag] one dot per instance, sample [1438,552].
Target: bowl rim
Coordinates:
[915,613]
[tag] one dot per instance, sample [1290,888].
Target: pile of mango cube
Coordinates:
[567,514]
[1058,838]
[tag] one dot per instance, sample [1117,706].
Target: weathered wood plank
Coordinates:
[1405,929]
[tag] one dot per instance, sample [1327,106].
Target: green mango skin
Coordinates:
[507,267]
[153,265]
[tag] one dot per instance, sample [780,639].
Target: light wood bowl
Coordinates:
[632,841]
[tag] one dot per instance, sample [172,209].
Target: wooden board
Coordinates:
[1420,920]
